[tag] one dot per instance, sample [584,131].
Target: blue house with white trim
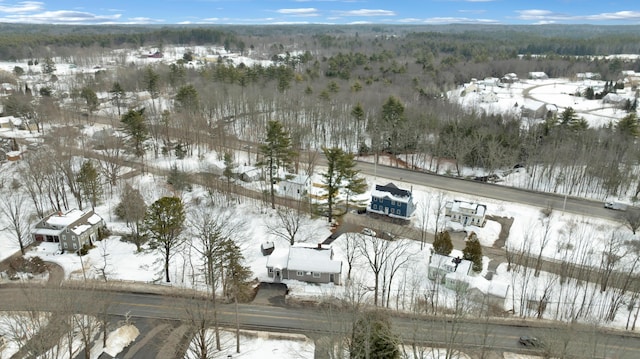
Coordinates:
[392,201]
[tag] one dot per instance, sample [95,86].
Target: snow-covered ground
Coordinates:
[561,236]
[531,94]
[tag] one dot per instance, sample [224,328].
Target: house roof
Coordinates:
[299,179]
[278,258]
[78,230]
[76,220]
[303,257]
[441,262]
[64,219]
[47,231]
[94,219]
[537,74]
[479,209]
[390,190]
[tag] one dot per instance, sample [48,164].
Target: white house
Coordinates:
[455,273]
[614,99]
[72,229]
[296,187]
[538,75]
[466,213]
[509,78]
[306,263]
[451,271]
[588,76]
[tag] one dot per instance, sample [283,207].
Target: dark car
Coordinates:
[529,341]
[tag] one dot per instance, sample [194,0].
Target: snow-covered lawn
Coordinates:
[256,345]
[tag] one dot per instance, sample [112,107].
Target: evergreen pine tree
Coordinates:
[88,179]
[442,244]
[473,252]
[277,153]
[373,338]
[341,174]
[135,127]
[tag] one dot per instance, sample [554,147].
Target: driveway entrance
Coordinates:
[271,294]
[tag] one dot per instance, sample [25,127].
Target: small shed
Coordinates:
[14,155]
[295,187]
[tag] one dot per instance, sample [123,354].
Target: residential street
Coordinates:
[316,322]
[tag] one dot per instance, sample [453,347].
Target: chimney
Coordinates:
[319,245]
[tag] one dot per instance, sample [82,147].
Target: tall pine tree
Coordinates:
[277,153]
[373,338]
[135,126]
[88,179]
[442,244]
[473,252]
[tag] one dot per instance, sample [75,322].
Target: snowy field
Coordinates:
[561,236]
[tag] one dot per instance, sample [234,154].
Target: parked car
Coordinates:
[529,341]
[368,232]
[615,205]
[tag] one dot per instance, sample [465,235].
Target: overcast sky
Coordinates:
[604,12]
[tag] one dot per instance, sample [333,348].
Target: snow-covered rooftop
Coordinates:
[65,219]
[78,230]
[392,192]
[478,209]
[448,263]
[94,219]
[305,257]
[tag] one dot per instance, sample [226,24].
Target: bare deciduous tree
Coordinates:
[287,224]
[546,219]
[13,206]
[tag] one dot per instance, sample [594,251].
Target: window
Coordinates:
[270,270]
[374,206]
[391,211]
[316,275]
[300,273]
[393,203]
[64,245]
[75,245]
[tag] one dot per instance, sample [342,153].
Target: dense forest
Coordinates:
[369,89]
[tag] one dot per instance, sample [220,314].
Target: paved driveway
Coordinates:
[271,294]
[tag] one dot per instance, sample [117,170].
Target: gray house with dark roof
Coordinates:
[303,262]
[71,230]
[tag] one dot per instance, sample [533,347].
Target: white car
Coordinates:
[368,232]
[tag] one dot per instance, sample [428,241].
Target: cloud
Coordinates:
[472,11]
[22,7]
[546,16]
[367,12]
[620,15]
[61,17]
[144,20]
[459,20]
[299,12]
